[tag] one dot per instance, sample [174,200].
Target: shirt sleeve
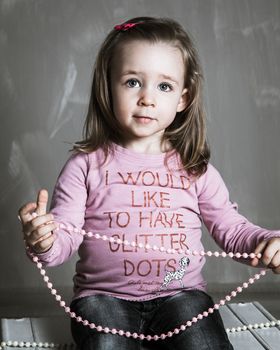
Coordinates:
[231,231]
[68,206]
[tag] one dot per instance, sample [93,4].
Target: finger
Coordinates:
[37,235]
[42,202]
[275,262]
[269,253]
[25,212]
[259,249]
[36,222]
[45,244]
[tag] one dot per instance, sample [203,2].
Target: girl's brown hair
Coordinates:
[187,133]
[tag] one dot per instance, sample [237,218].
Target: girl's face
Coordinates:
[147,84]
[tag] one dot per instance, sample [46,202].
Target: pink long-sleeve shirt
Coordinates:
[141,198]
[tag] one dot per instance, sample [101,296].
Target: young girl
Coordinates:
[142,175]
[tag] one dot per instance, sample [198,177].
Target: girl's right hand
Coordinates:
[37,224]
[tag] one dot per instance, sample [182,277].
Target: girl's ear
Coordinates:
[183,102]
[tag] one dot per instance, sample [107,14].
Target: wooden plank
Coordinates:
[249,313]
[55,329]
[239,340]
[17,330]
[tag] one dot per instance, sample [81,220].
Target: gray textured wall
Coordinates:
[47,52]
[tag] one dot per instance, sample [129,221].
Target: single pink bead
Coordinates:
[205,313]
[97,235]
[238,255]
[121,332]
[106,330]
[76,230]
[99,329]
[209,253]
[140,245]
[230,254]
[200,316]
[85,322]
[263,272]
[259,255]
[112,240]
[155,247]
[183,327]
[114,331]
[92,326]
[135,335]
[176,331]
[79,319]
[142,336]
[162,249]
[147,246]
[180,251]
[57,297]
[67,309]
[257,276]
[239,289]
[156,337]
[169,251]
[53,291]
[83,232]
[62,303]
[222,302]
[245,285]
[149,337]
[217,254]
[72,314]
[245,255]
[46,278]
[49,285]
[189,323]
[216,306]
[224,254]
[194,320]
[42,272]
[195,253]
[127,334]
[90,234]
[187,252]
[202,253]
[233,294]
[228,298]
[210,310]
[104,238]
[251,280]
[119,241]
[162,336]
[39,265]
[252,255]
[169,334]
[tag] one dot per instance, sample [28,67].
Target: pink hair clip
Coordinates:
[125,26]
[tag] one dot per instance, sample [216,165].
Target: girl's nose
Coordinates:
[147,98]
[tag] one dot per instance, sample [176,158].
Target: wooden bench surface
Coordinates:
[56,330]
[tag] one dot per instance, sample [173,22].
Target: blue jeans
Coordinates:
[149,317]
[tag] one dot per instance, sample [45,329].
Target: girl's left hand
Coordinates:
[270,251]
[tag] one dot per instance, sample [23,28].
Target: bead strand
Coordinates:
[128,334]
[263,325]
[162,249]
[141,336]
[31,344]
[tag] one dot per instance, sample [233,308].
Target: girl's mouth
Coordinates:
[142,119]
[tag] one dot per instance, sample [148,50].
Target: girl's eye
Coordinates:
[133,83]
[165,87]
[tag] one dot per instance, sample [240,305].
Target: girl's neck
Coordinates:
[146,147]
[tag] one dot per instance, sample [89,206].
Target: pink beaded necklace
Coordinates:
[188,252]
